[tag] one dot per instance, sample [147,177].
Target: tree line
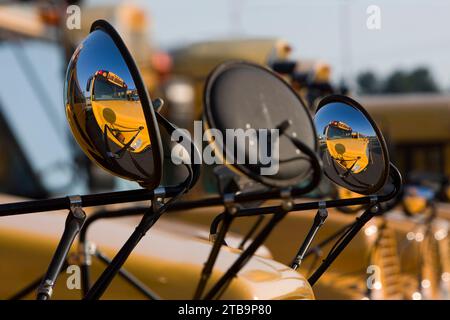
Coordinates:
[419,80]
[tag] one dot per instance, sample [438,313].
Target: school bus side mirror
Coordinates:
[352,148]
[119,134]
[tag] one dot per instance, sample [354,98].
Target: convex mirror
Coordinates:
[352,148]
[109,110]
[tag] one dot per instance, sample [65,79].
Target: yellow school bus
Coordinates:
[349,149]
[417,128]
[118,111]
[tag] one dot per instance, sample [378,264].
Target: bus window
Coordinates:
[16,174]
[337,133]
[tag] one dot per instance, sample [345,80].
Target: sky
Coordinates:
[351,117]
[100,53]
[412,33]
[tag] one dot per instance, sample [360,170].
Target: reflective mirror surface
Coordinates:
[351,146]
[108,112]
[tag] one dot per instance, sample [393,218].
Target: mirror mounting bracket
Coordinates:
[74,223]
[230,203]
[158,103]
[319,220]
[158,198]
[85,252]
[374,204]
[76,207]
[286,197]
[373,200]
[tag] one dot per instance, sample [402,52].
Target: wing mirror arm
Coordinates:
[194,153]
[148,220]
[373,210]
[74,223]
[349,234]
[319,220]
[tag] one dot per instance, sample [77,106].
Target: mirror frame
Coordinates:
[349,101]
[146,103]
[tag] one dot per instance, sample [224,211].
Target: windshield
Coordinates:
[337,133]
[105,90]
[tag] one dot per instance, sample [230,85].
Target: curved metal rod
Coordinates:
[148,220]
[297,207]
[245,256]
[361,221]
[279,213]
[84,246]
[397,182]
[90,200]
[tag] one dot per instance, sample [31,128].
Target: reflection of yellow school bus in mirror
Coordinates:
[349,149]
[118,111]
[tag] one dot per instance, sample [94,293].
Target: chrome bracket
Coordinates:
[229,203]
[158,198]
[374,204]
[323,212]
[76,207]
[286,196]
[46,288]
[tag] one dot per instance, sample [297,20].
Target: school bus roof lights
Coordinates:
[341,125]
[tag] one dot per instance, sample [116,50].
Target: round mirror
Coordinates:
[352,148]
[109,110]
[251,116]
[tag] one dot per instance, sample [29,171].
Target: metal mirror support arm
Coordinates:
[245,256]
[85,252]
[101,199]
[85,246]
[105,279]
[148,220]
[396,181]
[74,223]
[394,173]
[361,221]
[319,220]
[279,213]
[90,200]
[372,211]
[194,153]
[218,240]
